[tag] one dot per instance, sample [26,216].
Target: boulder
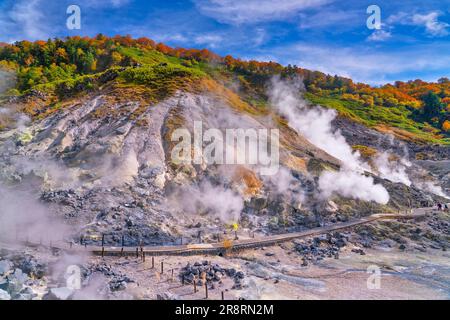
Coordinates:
[167,296]
[5,267]
[4,295]
[16,281]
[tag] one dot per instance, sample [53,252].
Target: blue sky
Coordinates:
[326,35]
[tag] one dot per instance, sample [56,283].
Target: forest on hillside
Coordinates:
[415,106]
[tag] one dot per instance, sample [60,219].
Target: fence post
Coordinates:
[195,284]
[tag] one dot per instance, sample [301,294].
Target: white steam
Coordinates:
[394,171]
[312,123]
[352,185]
[116,170]
[315,124]
[207,198]
[431,187]
[23,215]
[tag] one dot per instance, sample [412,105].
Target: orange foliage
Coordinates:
[446,126]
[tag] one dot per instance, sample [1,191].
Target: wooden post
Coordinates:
[153,262]
[206,289]
[162,267]
[123,241]
[182,279]
[235,235]
[195,284]
[171,277]
[143,256]
[137,253]
[223,295]
[121,252]
[103,245]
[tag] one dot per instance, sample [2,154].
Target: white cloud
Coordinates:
[103,3]
[379,35]
[119,3]
[363,63]
[431,23]
[252,11]
[24,20]
[327,18]
[210,40]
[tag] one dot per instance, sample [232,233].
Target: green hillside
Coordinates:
[61,69]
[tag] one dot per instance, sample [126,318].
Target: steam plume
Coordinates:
[315,123]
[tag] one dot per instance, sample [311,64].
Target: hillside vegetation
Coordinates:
[62,68]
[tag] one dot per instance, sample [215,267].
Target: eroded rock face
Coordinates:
[106,168]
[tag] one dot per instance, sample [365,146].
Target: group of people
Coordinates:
[442,207]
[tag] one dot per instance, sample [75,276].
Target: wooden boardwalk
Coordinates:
[221,247]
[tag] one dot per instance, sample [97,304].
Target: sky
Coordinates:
[413,41]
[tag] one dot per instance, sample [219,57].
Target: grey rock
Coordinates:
[16,281]
[5,266]
[167,296]
[4,295]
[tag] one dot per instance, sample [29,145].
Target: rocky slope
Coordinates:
[103,164]
[100,163]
